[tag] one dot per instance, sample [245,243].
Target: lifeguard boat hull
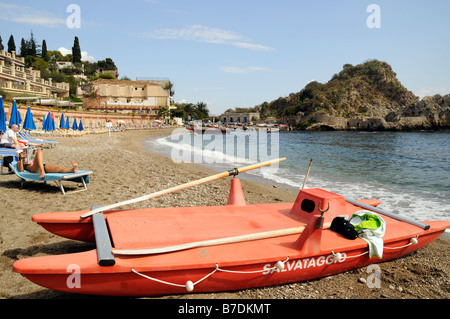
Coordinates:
[315,252]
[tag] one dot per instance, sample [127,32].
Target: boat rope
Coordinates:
[279,265]
[189,285]
[412,241]
[338,256]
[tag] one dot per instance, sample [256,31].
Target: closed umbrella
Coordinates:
[67,123]
[15,117]
[62,124]
[80,127]
[28,123]
[48,124]
[2,116]
[74,125]
[53,121]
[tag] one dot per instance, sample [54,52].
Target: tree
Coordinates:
[164,112]
[202,110]
[1,44]
[76,51]
[169,87]
[11,44]
[31,46]
[44,53]
[23,48]
[107,64]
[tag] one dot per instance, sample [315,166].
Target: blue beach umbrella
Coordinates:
[48,123]
[67,123]
[53,122]
[62,124]
[2,116]
[28,123]
[15,117]
[74,125]
[80,127]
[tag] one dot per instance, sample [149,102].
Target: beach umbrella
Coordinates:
[74,125]
[53,121]
[62,124]
[2,116]
[67,123]
[80,127]
[15,117]
[48,123]
[28,123]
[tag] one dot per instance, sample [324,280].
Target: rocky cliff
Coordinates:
[367,96]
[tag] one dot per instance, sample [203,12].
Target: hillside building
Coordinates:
[125,96]
[18,80]
[243,118]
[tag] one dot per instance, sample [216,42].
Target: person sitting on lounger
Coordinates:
[37,165]
[9,139]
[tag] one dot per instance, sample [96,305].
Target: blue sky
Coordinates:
[241,53]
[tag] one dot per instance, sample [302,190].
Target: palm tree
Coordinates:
[164,111]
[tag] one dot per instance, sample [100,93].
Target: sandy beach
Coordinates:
[123,169]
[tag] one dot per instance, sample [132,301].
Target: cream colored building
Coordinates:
[18,80]
[239,117]
[126,96]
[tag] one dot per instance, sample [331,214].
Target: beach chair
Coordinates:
[7,152]
[81,177]
[29,139]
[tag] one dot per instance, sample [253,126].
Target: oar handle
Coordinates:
[182,186]
[254,166]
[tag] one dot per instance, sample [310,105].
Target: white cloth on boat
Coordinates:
[371,228]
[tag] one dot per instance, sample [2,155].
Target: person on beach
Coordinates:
[9,138]
[37,165]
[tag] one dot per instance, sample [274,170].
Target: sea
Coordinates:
[408,172]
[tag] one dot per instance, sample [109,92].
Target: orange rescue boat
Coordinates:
[161,251]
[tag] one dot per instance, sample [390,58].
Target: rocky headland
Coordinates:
[366,97]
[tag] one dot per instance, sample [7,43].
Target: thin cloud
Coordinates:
[28,15]
[206,34]
[250,69]
[84,55]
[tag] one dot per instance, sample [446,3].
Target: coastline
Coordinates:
[123,169]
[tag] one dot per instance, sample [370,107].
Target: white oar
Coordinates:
[215,242]
[183,186]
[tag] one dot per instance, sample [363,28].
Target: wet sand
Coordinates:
[123,169]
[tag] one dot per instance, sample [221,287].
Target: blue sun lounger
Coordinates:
[7,152]
[81,177]
[29,139]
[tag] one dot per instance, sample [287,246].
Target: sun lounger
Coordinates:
[79,177]
[29,139]
[7,152]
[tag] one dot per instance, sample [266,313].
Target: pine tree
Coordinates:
[11,44]
[1,44]
[76,51]
[44,53]
[32,46]
[23,48]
